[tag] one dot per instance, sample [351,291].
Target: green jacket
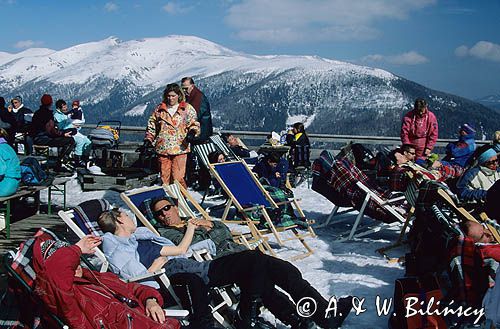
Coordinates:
[219,234]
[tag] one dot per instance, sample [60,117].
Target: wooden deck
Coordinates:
[26,228]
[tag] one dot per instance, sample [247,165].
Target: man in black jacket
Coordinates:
[199,101]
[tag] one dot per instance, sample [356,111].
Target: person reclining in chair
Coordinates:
[126,246]
[89,299]
[171,226]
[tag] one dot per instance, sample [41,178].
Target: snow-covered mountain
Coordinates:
[491,101]
[124,80]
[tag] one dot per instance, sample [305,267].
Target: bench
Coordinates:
[58,186]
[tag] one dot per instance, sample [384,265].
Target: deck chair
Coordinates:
[84,225]
[138,200]
[247,195]
[222,146]
[18,265]
[448,197]
[202,151]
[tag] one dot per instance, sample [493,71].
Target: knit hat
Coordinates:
[49,247]
[46,100]
[76,102]
[492,206]
[486,155]
[468,128]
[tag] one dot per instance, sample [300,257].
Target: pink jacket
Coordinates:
[422,132]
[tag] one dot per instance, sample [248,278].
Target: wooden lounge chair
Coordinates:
[248,195]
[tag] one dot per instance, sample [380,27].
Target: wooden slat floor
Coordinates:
[23,230]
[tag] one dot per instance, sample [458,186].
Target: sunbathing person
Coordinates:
[89,299]
[255,273]
[170,225]
[474,184]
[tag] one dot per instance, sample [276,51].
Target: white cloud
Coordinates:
[110,6]
[288,21]
[22,44]
[483,50]
[175,8]
[408,58]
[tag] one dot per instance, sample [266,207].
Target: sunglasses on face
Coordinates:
[162,209]
[491,162]
[130,302]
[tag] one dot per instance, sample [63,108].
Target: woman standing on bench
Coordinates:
[10,170]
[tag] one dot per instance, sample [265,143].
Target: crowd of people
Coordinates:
[181,120]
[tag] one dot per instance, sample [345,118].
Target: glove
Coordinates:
[190,137]
[145,146]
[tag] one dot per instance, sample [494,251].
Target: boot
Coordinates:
[297,322]
[344,306]
[250,319]
[78,162]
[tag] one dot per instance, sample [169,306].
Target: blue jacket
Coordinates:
[475,182]
[124,259]
[459,152]
[9,162]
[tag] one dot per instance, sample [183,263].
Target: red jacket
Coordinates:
[88,302]
[422,132]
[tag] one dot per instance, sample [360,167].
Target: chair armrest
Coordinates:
[288,201]
[146,276]
[178,314]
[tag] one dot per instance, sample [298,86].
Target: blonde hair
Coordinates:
[3,133]
[496,137]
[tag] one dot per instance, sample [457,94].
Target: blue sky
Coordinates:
[448,45]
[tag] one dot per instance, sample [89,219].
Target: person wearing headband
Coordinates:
[475,183]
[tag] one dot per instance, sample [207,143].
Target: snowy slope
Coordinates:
[247,92]
[335,268]
[152,62]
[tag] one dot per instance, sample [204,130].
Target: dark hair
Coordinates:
[60,103]
[191,81]
[107,220]
[273,157]
[300,127]
[176,89]
[420,103]
[2,102]
[407,147]
[213,157]
[172,201]
[225,136]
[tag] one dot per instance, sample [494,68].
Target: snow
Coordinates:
[335,268]
[137,110]
[153,62]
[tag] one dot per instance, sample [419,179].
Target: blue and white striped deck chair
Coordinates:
[202,151]
[247,195]
[228,154]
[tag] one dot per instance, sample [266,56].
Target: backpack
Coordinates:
[32,172]
[104,136]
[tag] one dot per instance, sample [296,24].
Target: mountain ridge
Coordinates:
[117,79]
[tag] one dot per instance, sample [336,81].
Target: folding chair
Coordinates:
[18,265]
[247,195]
[228,153]
[202,151]
[85,226]
[140,198]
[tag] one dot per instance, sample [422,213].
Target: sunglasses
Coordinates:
[162,209]
[491,162]
[130,302]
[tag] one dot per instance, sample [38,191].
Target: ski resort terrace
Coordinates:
[336,268]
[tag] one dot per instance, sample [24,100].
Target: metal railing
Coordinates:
[315,139]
